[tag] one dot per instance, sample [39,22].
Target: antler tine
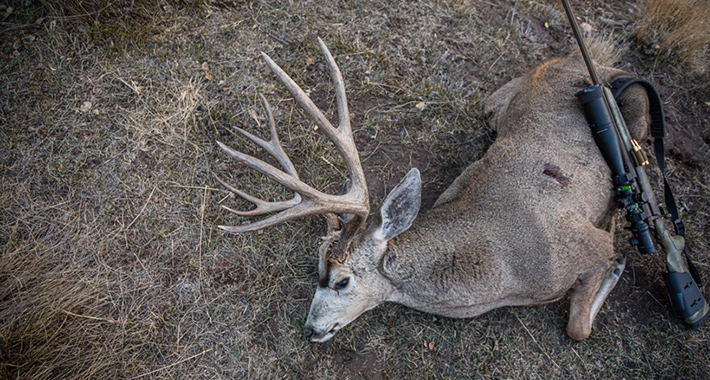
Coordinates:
[353,163]
[273,146]
[262,207]
[282,157]
[301,98]
[272,172]
[302,209]
[343,113]
[342,136]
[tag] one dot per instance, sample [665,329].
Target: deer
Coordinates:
[528,223]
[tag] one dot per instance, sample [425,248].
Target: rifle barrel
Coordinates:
[580,42]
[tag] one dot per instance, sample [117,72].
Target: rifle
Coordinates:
[626,159]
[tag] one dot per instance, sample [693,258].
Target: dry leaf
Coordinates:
[309,61]
[85,107]
[208,76]
[253,115]
[421,105]
[431,345]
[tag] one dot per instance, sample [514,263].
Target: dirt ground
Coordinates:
[112,265]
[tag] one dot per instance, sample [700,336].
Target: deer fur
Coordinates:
[524,225]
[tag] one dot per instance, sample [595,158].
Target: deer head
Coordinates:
[350,281]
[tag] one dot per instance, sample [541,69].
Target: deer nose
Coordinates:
[308,332]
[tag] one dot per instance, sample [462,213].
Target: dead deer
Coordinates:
[524,225]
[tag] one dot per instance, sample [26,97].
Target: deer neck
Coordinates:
[433,263]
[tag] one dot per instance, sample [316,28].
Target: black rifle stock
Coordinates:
[626,160]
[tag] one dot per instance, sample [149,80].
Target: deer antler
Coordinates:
[307,200]
[273,147]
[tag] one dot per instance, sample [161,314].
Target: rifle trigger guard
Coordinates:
[679,227]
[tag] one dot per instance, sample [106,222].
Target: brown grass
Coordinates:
[677,29]
[111,265]
[606,49]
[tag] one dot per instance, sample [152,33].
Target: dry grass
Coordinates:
[111,265]
[677,29]
[606,49]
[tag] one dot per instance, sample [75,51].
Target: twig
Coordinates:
[171,365]
[655,299]
[499,57]
[538,344]
[133,86]
[203,206]
[109,320]
[196,187]
[273,35]
[384,85]
[143,209]
[334,167]
[580,358]
[512,17]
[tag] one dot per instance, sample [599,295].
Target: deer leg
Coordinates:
[588,295]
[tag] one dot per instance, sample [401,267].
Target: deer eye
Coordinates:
[341,284]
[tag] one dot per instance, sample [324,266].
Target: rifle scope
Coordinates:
[599,118]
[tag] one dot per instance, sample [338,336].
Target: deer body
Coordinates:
[526,224]
[519,226]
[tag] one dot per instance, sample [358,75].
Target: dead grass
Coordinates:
[606,49]
[677,30]
[111,265]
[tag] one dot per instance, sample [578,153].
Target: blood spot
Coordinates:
[555,172]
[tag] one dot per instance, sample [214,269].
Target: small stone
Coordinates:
[586,28]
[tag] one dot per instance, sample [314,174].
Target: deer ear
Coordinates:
[401,206]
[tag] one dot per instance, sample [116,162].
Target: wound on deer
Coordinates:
[555,172]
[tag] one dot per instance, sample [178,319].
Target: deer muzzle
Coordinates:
[319,336]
